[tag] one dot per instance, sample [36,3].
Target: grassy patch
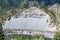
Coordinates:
[26,37]
[2,12]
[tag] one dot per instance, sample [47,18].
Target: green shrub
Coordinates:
[56,36]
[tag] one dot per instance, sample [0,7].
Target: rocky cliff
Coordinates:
[20,5]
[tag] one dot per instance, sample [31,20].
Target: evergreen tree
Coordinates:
[1,32]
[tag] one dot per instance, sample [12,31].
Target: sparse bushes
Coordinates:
[38,37]
[56,36]
[27,37]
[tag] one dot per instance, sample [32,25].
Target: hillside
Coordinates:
[17,3]
[29,15]
[12,7]
[56,8]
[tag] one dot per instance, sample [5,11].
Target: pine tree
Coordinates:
[1,32]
